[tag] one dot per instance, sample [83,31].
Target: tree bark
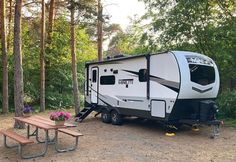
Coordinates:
[74,64]
[18,71]
[99,31]
[42,60]
[4,59]
[9,25]
[50,21]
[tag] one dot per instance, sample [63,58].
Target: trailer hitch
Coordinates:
[215,128]
[215,131]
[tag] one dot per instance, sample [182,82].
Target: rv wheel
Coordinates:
[116,118]
[106,116]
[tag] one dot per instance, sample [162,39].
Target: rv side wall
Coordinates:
[119,84]
[164,83]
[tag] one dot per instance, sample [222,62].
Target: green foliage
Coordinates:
[227,103]
[230,122]
[208,27]
[57,100]
[58,64]
[132,41]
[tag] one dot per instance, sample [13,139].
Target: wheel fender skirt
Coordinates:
[114,108]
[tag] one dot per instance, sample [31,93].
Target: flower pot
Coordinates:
[59,122]
[27,114]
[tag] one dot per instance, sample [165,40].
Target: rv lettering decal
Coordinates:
[125,81]
[198,60]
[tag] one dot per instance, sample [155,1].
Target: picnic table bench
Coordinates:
[71,133]
[22,141]
[40,123]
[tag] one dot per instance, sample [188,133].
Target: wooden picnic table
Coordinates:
[41,122]
[45,124]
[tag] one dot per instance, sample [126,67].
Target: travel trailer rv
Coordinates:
[175,87]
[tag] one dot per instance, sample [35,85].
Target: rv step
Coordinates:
[84,113]
[85,109]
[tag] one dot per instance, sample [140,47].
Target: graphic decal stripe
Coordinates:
[201,91]
[169,84]
[175,86]
[132,72]
[100,98]
[96,91]
[106,102]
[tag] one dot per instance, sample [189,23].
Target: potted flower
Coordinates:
[60,117]
[27,111]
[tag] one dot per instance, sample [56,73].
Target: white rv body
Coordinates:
[168,86]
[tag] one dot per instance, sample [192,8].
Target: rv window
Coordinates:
[107,80]
[94,76]
[143,75]
[202,74]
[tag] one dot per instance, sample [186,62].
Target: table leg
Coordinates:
[35,133]
[50,141]
[20,148]
[28,131]
[37,136]
[5,143]
[66,149]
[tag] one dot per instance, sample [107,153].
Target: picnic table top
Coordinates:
[41,122]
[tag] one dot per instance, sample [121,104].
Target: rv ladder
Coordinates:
[84,113]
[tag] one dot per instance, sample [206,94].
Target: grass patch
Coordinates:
[229,122]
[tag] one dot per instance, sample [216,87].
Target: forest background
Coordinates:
[46,36]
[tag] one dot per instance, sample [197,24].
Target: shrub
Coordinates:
[227,104]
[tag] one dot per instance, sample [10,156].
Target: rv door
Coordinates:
[94,85]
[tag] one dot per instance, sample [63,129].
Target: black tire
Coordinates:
[106,116]
[116,118]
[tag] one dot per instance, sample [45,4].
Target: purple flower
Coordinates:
[27,109]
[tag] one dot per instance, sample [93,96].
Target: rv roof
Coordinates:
[122,58]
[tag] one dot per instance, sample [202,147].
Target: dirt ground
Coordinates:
[135,140]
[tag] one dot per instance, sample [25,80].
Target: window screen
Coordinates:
[107,80]
[202,74]
[94,77]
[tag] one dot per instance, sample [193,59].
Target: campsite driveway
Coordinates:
[136,140]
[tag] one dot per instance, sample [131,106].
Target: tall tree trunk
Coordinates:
[74,64]
[9,25]
[18,71]
[4,60]
[50,21]
[42,60]
[99,31]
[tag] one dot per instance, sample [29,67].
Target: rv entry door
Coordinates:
[94,85]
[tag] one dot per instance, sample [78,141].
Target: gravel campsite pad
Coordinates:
[135,140]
